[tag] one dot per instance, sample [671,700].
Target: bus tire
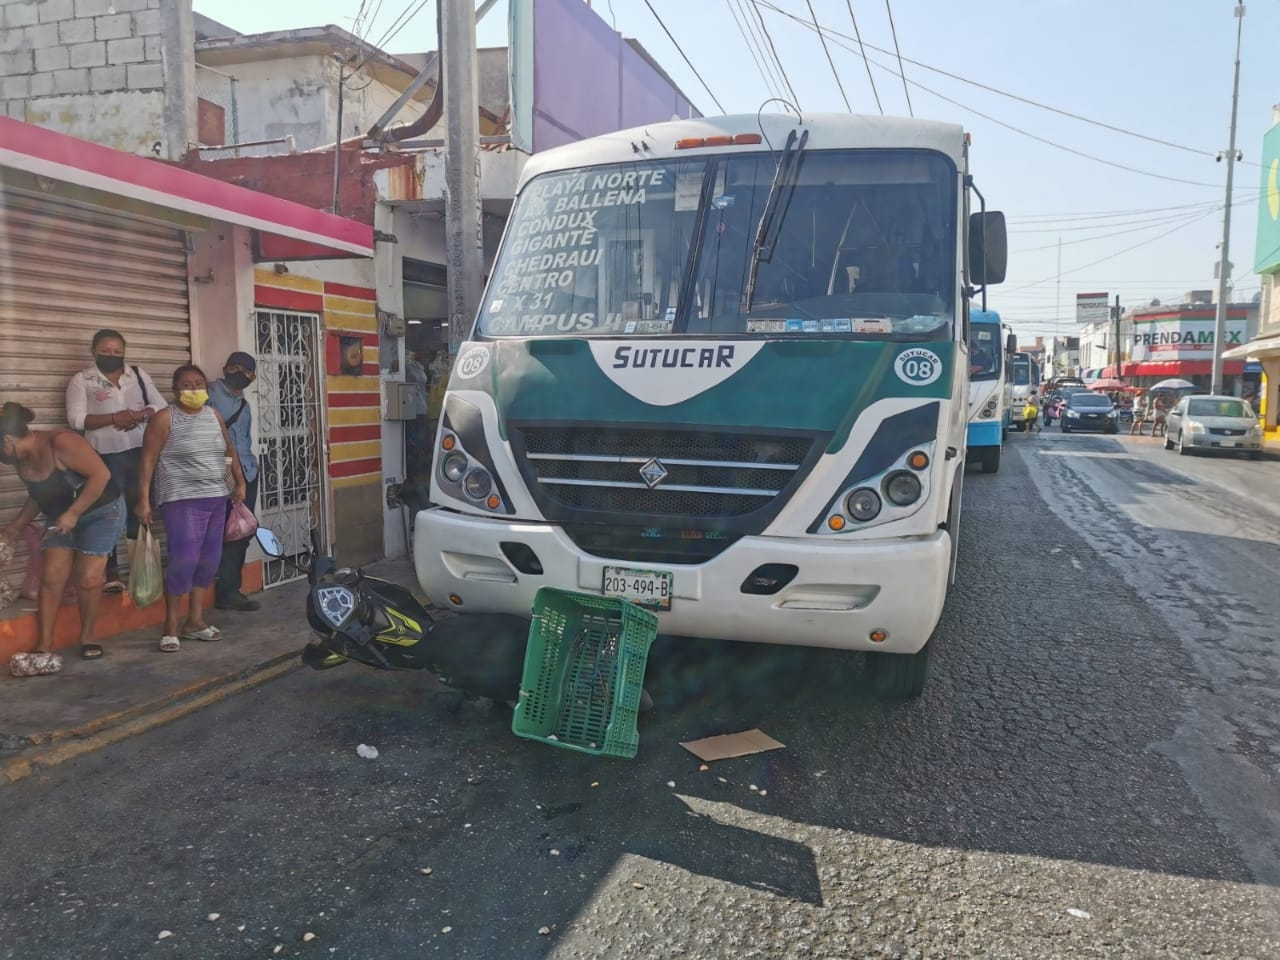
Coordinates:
[899,676]
[990,459]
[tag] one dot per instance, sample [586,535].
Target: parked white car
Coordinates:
[1213,422]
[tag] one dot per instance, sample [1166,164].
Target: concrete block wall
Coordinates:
[116,72]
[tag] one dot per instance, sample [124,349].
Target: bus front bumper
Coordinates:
[840,594]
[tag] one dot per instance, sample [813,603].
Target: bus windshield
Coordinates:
[1021,371]
[863,245]
[984,351]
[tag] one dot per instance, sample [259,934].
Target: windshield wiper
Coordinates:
[784,181]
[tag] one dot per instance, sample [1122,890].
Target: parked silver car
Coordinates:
[1213,422]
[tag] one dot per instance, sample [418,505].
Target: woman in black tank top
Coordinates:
[84,514]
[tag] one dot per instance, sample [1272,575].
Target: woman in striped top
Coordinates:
[185,450]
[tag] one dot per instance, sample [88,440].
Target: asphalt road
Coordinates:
[1092,773]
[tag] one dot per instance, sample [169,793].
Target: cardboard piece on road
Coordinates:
[732,745]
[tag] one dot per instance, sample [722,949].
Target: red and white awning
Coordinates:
[46,153]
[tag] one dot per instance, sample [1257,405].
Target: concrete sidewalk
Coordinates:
[45,721]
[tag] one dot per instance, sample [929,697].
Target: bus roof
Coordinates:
[983,316]
[827,131]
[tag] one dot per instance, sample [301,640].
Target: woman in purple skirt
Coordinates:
[185,450]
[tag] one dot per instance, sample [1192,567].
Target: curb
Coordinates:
[63,745]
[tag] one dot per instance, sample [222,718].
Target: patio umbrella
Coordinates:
[1110,383]
[1174,383]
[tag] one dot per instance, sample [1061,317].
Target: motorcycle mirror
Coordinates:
[269,543]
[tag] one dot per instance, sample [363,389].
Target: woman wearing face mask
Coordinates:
[110,403]
[84,514]
[185,450]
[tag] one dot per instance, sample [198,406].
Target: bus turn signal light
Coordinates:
[879,636]
[449,442]
[836,522]
[918,460]
[493,502]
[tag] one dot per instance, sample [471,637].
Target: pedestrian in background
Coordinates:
[1030,416]
[110,403]
[185,450]
[68,482]
[227,397]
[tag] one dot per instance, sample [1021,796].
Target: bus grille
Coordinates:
[707,474]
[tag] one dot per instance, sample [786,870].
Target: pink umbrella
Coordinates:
[1111,383]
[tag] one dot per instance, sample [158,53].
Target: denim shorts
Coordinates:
[96,534]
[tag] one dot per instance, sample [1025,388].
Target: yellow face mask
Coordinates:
[193,399]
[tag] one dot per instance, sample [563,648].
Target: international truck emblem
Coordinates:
[653,473]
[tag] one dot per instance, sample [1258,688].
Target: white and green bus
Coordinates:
[720,370]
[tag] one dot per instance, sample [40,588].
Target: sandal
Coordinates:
[38,664]
[170,644]
[90,651]
[207,634]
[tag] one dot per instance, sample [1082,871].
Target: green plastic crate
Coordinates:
[584,673]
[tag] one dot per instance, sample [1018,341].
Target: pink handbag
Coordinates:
[241,524]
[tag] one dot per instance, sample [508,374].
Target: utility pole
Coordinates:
[1115,315]
[1224,265]
[464,241]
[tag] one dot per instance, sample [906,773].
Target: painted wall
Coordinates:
[573,77]
[342,293]
[298,97]
[115,72]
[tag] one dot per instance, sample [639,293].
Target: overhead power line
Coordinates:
[1077,216]
[1150,225]
[822,38]
[680,49]
[749,40]
[857,33]
[1112,256]
[755,5]
[898,52]
[1005,93]
[1001,123]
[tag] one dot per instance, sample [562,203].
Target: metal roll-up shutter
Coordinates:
[66,271]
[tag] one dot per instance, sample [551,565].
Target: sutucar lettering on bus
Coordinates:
[565,221]
[638,358]
[1183,336]
[552,241]
[554,261]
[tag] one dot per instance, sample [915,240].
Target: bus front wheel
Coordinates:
[990,460]
[899,676]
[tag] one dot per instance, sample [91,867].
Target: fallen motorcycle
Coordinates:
[381,624]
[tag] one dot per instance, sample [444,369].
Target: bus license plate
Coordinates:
[644,588]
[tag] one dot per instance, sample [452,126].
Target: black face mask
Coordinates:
[236,381]
[109,364]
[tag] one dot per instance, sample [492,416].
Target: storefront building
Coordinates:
[92,237]
[1264,349]
[1161,342]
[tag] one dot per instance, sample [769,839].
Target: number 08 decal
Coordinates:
[918,366]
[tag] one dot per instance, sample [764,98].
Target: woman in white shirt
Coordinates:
[111,402]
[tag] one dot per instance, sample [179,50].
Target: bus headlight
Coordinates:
[902,488]
[454,467]
[477,484]
[863,504]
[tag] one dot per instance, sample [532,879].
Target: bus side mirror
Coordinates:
[1011,344]
[988,248]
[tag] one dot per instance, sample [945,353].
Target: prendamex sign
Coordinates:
[1182,338]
